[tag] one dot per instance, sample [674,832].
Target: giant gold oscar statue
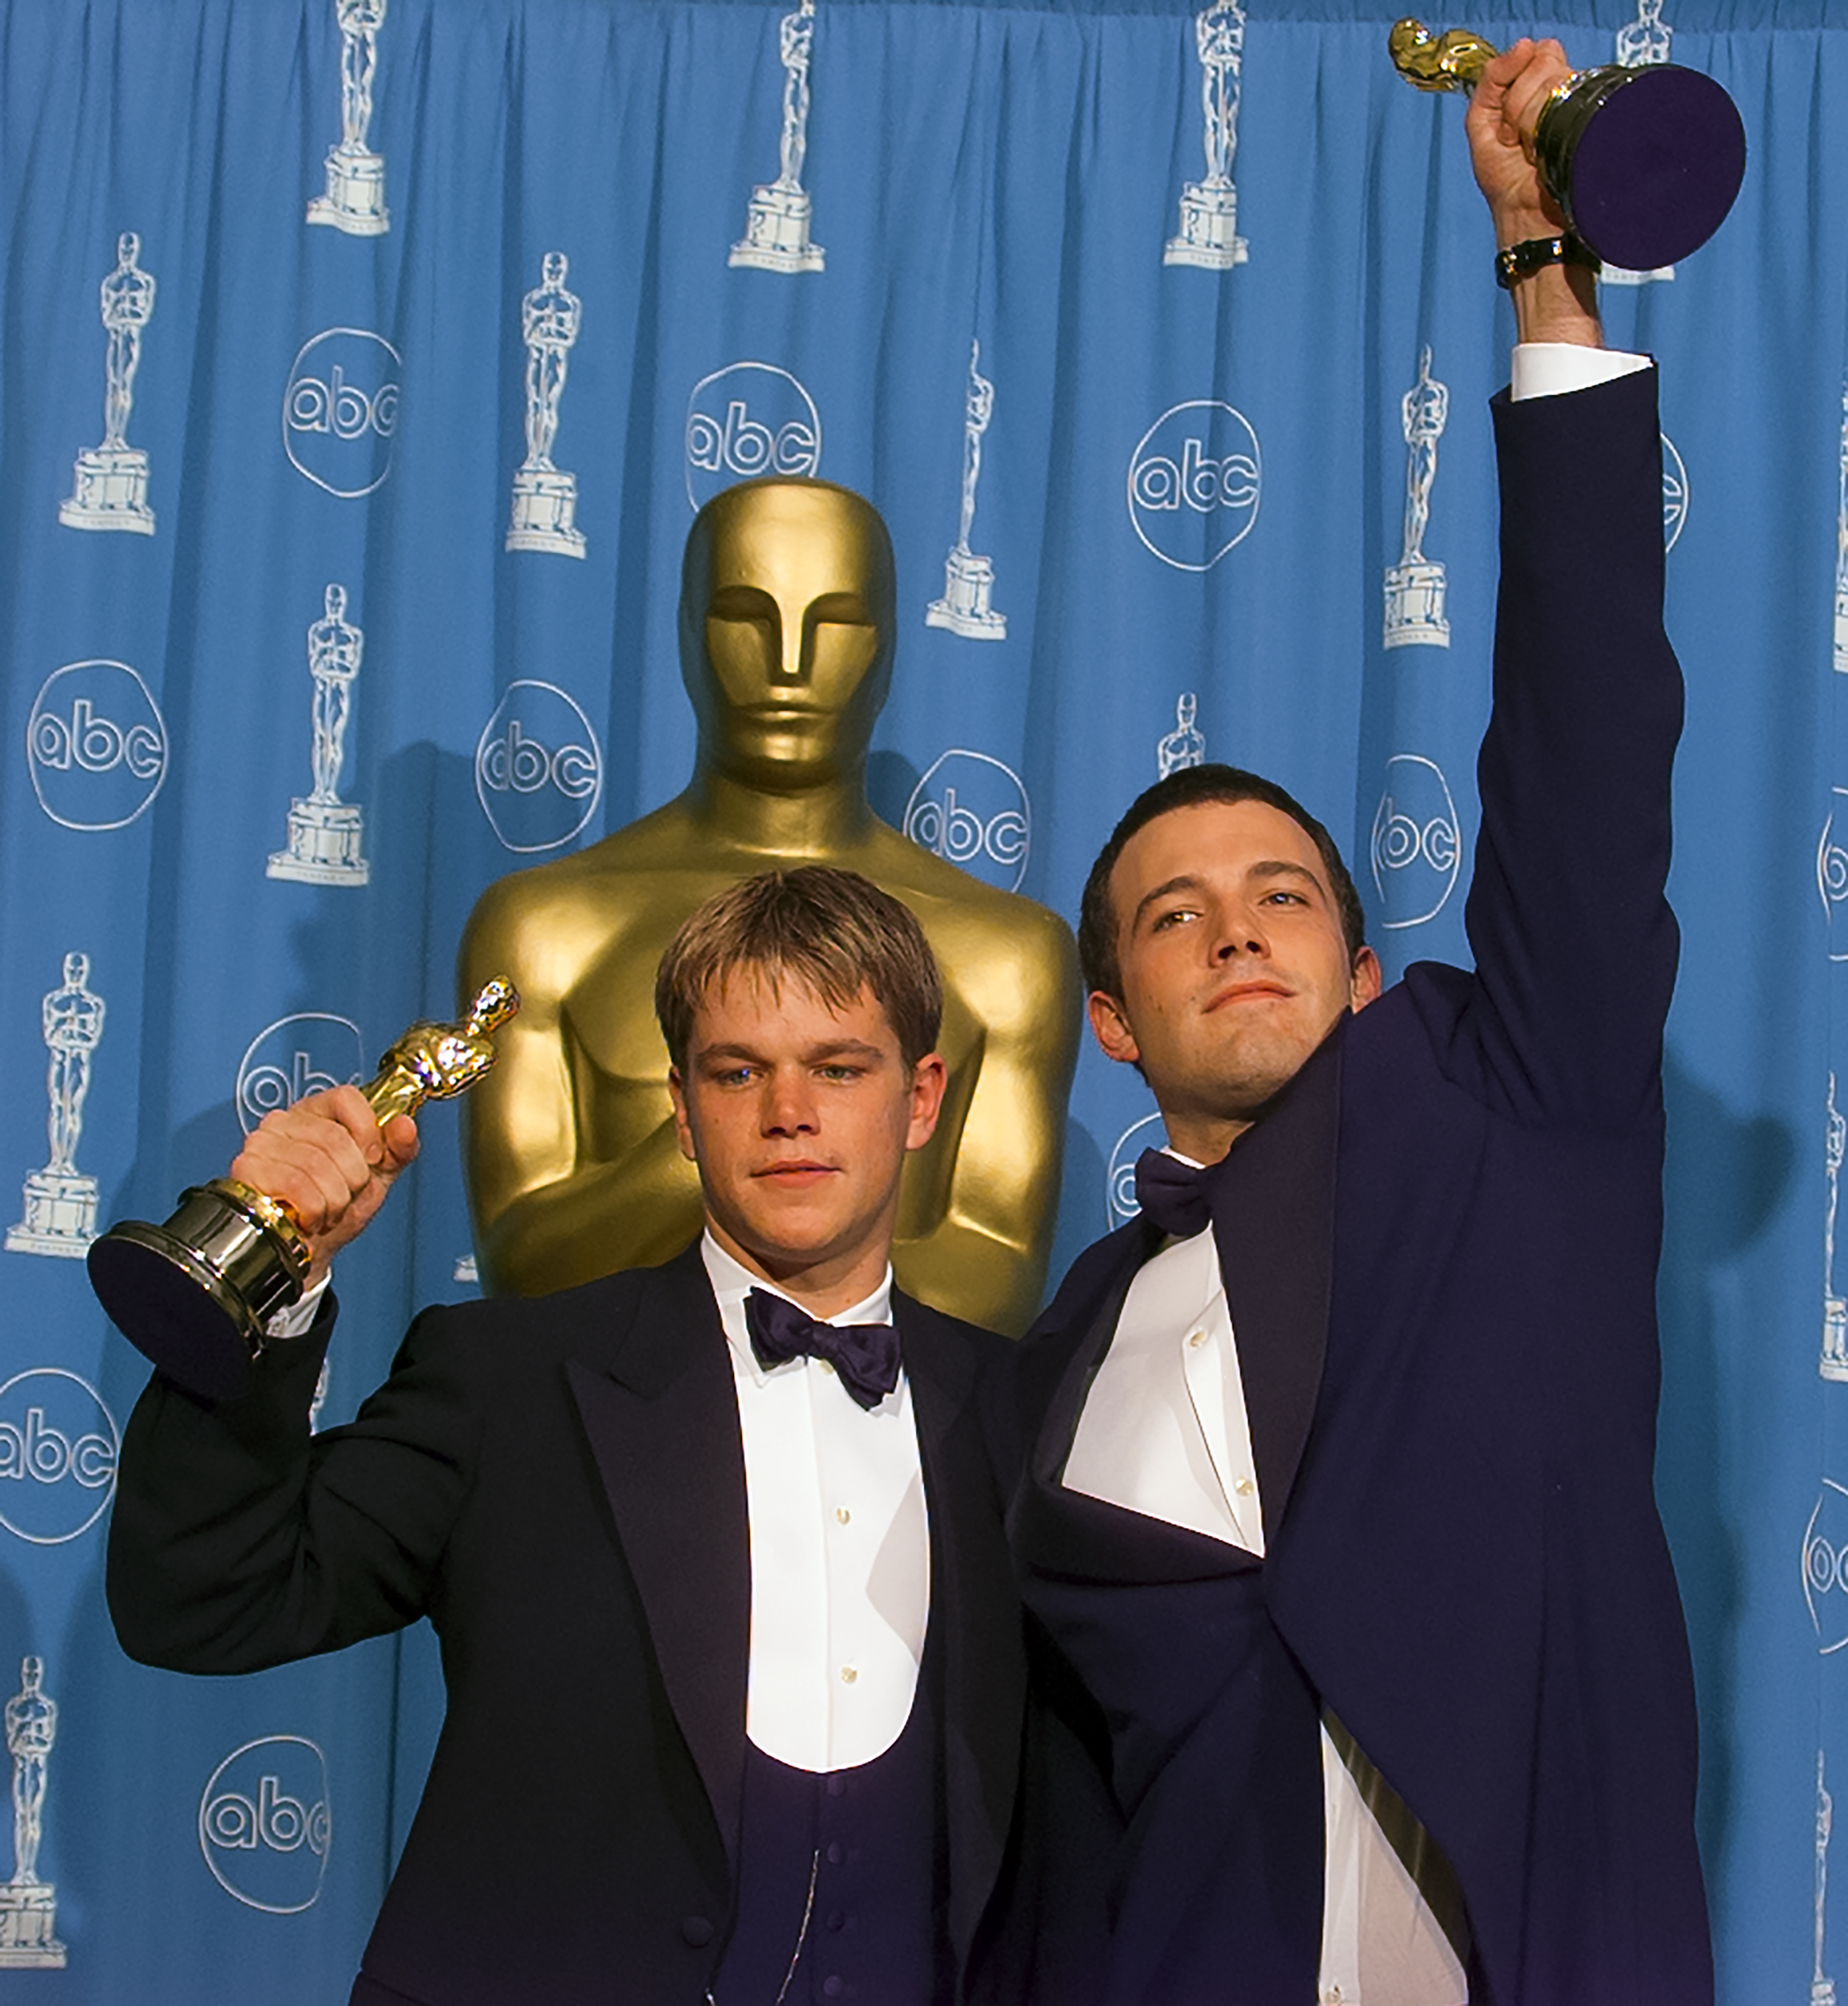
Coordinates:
[786,633]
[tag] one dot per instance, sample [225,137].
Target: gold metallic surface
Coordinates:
[1453,60]
[437,1061]
[787,623]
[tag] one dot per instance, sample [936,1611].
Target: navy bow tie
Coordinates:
[1172,1193]
[866,1355]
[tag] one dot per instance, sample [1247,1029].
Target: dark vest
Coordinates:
[839,1895]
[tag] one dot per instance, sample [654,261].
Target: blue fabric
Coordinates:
[1012,175]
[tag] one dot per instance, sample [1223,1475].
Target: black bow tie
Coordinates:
[866,1355]
[1172,1193]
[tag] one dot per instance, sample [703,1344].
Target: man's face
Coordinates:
[799,1117]
[1235,968]
[787,663]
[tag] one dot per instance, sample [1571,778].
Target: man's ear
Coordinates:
[683,1126]
[929,1079]
[1366,981]
[1110,1028]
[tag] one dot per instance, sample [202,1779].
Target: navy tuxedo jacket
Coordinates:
[1439,1247]
[558,1484]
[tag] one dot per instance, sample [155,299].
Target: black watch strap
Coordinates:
[1521,261]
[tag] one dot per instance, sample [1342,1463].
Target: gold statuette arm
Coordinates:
[547,1213]
[975,1226]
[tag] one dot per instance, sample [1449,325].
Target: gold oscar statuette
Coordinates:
[196,1295]
[1644,160]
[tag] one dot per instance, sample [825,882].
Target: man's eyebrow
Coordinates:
[833,1048]
[1281,867]
[1185,882]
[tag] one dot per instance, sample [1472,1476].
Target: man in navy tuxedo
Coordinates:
[721,1535]
[1338,1512]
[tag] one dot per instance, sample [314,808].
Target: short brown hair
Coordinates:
[834,931]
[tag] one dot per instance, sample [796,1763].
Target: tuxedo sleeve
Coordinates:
[241,1540]
[1567,915]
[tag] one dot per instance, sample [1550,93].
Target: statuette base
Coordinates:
[776,237]
[1833,1363]
[60,1215]
[28,1928]
[545,502]
[1621,275]
[1415,606]
[324,845]
[1841,649]
[355,197]
[110,491]
[1209,236]
[968,580]
[1822,1992]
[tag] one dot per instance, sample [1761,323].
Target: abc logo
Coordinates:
[1194,483]
[1674,493]
[539,773]
[1825,1566]
[306,1053]
[341,410]
[57,1451]
[96,744]
[1121,1203]
[972,811]
[263,1823]
[751,418]
[1832,873]
[1416,846]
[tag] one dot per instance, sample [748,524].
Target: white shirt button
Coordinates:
[848,1674]
[1243,1486]
[842,1514]
[1197,1339]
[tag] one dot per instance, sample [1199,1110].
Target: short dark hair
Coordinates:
[1193,786]
[833,930]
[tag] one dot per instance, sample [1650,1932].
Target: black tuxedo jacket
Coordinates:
[1439,1248]
[558,1484]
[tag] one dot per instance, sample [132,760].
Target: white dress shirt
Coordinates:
[841,1550]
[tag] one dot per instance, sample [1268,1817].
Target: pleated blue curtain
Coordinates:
[306,642]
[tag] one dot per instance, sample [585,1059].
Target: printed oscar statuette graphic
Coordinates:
[355,197]
[1186,744]
[29,1906]
[111,487]
[545,498]
[1645,161]
[325,833]
[1209,236]
[232,1249]
[60,1214]
[969,577]
[1415,585]
[776,237]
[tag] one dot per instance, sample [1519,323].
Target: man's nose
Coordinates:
[1241,932]
[788,1105]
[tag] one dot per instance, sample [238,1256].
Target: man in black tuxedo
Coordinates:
[739,1575]
[1338,1506]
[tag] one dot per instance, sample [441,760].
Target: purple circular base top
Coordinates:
[1656,167]
[163,1311]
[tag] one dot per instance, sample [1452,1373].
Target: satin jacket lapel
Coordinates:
[1273,1217]
[660,1408]
[973,1611]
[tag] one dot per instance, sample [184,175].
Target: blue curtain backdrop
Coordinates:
[1193,481]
